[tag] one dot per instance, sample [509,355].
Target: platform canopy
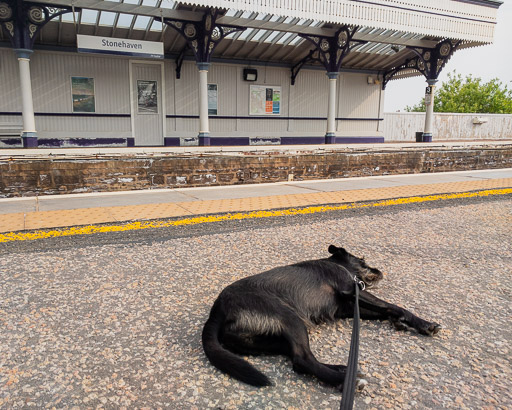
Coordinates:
[387,30]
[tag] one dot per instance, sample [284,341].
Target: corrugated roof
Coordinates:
[269,38]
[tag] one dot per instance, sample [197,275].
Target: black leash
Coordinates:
[349,385]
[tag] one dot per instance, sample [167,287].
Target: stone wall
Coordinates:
[44,176]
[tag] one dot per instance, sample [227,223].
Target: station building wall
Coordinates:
[303,105]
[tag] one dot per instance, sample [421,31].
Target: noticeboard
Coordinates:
[264,100]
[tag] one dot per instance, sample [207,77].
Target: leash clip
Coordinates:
[359,283]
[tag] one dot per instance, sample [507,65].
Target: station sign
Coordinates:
[120,46]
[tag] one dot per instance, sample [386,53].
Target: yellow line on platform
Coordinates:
[132,226]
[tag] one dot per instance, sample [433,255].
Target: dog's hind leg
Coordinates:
[255,344]
[295,332]
[264,344]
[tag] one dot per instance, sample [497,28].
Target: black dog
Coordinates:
[269,313]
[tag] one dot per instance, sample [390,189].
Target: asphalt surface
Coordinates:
[114,319]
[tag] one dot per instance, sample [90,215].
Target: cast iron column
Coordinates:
[330,135]
[202,37]
[331,52]
[204,130]
[22,21]
[29,134]
[429,113]
[429,62]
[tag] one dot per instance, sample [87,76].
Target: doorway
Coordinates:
[147,103]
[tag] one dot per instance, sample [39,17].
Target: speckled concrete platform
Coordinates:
[118,325]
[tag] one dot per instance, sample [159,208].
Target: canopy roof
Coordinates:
[388,27]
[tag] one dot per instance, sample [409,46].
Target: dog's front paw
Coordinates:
[431,329]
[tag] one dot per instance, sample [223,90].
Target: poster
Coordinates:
[276,100]
[212,99]
[82,92]
[147,97]
[264,100]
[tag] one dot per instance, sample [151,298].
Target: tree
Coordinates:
[469,95]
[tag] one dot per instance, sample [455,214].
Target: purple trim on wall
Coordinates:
[269,117]
[176,141]
[302,140]
[70,114]
[80,114]
[11,141]
[229,141]
[83,142]
[359,140]
[171,142]
[211,117]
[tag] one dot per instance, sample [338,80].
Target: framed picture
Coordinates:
[147,97]
[82,92]
[212,99]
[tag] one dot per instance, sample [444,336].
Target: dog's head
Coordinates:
[370,276]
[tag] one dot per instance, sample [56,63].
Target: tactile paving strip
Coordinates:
[85,216]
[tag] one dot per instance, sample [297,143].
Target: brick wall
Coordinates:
[26,177]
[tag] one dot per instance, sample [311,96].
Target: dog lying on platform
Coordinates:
[270,312]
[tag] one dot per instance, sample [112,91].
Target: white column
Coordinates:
[29,124]
[204,130]
[429,114]
[330,135]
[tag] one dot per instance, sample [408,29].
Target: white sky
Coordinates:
[486,62]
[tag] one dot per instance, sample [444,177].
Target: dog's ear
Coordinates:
[333,250]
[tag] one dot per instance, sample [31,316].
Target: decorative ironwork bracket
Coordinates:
[297,67]
[23,20]
[428,61]
[332,50]
[202,37]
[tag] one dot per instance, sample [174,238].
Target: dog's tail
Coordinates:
[222,358]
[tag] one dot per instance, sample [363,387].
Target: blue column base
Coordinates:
[330,138]
[426,137]
[204,139]
[29,140]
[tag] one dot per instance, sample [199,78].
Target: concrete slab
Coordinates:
[443,177]
[16,205]
[136,198]
[492,174]
[245,191]
[348,184]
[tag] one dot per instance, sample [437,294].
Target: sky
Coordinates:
[486,62]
